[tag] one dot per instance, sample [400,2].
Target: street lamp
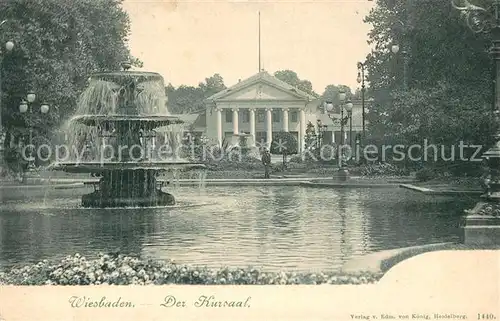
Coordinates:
[357,147]
[24,107]
[348,108]
[328,105]
[361,79]
[395,49]
[9,45]
[482,224]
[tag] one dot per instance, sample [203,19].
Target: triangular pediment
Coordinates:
[261,86]
[261,91]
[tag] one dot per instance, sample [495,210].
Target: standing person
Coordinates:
[266,160]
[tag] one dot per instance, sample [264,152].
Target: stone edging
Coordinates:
[429,191]
[383,261]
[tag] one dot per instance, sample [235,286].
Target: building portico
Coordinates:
[259,106]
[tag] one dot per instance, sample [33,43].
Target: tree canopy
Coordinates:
[449,75]
[331,94]
[291,78]
[284,143]
[190,99]
[57,45]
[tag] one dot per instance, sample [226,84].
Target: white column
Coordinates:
[302,128]
[285,119]
[252,124]
[235,121]
[269,127]
[333,135]
[219,126]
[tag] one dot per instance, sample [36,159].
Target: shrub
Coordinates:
[284,143]
[425,174]
[296,159]
[247,163]
[385,169]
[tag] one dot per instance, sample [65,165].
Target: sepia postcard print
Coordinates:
[249,160]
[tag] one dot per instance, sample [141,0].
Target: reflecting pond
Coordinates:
[286,228]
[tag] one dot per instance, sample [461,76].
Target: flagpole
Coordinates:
[259,45]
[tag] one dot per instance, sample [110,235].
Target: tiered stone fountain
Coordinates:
[121,110]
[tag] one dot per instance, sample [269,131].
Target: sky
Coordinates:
[187,41]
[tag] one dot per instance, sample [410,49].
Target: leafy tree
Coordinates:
[449,75]
[189,99]
[284,143]
[212,85]
[311,140]
[57,45]
[291,78]
[331,94]
[184,99]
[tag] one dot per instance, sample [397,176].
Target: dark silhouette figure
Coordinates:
[266,160]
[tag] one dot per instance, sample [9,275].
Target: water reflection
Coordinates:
[342,212]
[284,203]
[271,227]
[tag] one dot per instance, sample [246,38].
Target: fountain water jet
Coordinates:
[115,120]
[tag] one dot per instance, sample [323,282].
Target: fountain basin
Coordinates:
[120,76]
[98,167]
[155,198]
[150,121]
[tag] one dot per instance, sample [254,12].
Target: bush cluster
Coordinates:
[384,169]
[490,209]
[425,174]
[247,163]
[119,269]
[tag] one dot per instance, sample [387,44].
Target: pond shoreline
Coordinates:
[117,269]
[305,181]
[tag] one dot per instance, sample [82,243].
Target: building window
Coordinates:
[229,116]
[260,138]
[276,116]
[245,115]
[294,116]
[260,116]
[327,138]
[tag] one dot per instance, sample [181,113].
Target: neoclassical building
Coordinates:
[259,106]
[262,105]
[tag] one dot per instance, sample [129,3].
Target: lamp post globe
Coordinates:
[395,49]
[44,108]
[31,97]
[23,106]
[358,79]
[9,45]
[348,107]
[329,106]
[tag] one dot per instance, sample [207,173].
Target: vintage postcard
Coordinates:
[249,160]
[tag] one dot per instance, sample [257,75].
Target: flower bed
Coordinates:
[489,210]
[126,270]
